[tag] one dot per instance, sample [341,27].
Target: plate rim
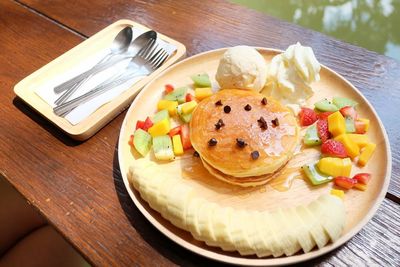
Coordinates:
[260,261]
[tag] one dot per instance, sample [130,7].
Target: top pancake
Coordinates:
[275,144]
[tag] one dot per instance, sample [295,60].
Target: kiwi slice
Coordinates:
[142,141]
[350,127]
[311,137]
[162,147]
[179,94]
[326,105]
[341,102]
[201,80]
[314,174]
[184,117]
[159,116]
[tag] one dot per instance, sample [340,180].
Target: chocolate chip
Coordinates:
[196,154]
[212,142]
[262,123]
[264,101]
[240,142]
[219,124]
[247,107]
[275,122]
[255,154]
[218,103]
[227,109]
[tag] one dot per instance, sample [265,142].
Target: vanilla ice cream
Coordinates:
[291,73]
[242,67]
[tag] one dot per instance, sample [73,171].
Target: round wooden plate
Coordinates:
[285,191]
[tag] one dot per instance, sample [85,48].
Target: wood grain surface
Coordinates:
[78,186]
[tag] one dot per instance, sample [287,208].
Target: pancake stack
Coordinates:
[242,137]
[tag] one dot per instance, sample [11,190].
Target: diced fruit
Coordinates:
[159,116]
[344,182]
[311,137]
[160,128]
[130,142]
[177,143]
[139,125]
[184,117]
[314,175]
[189,97]
[162,147]
[168,105]
[362,178]
[350,128]
[201,80]
[174,131]
[322,128]
[349,111]
[142,141]
[360,139]
[179,94]
[147,124]
[324,115]
[352,148]
[169,88]
[188,107]
[202,93]
[361,187]
[361,125]
[307,116]
[334,149]
[335,166]
[326,105]
[185,136]
[336,124]
[366,154]
[343,101]
[338,193]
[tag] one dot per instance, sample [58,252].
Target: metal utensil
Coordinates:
[144,64]
[119,45]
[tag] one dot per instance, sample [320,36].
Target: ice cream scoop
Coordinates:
[242,67]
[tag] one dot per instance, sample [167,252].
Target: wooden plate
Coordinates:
[360,206]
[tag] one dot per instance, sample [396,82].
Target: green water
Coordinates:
[372,24]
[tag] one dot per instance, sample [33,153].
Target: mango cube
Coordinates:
[366,122]
[366,154]
[188,107]
[160,128]
[352,148]
[177,144]
[202,93]
[168,105]
[336,124]
[338,193]
[360,139]
[361,187]
[335,166]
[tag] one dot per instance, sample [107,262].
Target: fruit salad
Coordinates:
[156,133]
[335,126]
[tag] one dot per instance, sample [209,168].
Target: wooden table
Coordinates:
[78,186]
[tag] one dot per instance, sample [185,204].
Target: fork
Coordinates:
[144,64]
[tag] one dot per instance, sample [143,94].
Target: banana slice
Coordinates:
[270,235]
[260,239]
[300,230]
[178,199]
[204,218]
[220,222]
[192,212]
[240,239]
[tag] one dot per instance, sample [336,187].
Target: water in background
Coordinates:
[372,24]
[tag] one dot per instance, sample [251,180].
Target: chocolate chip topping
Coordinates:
[227,109]
[275,122]
[218,103]
[264,101]
[240,142]
[196,154]
[262,123]
[212,142]
[247,107]
[219,124]
[255,155]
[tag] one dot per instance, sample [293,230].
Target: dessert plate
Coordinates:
[286,190]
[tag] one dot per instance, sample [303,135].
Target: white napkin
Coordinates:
[46,91]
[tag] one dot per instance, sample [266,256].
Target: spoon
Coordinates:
[119,45]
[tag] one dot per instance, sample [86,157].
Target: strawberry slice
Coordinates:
[361,126]
[147,124]
[324,115]
[345,182]
[175,131]
[362,178]
[322,128]
[130,142]
[185,132]
[333,148]
[139,125]
[169,88]
[307,116]
[189,97]
[349,111]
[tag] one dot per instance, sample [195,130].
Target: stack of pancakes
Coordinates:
[242,137]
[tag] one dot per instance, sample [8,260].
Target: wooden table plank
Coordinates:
[211,24]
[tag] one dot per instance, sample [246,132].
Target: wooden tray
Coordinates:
[360,206]
[25,89]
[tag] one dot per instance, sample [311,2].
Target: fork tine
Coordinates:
[151,53]
[148,48]
[161,60]
[154,56]
[141,51]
